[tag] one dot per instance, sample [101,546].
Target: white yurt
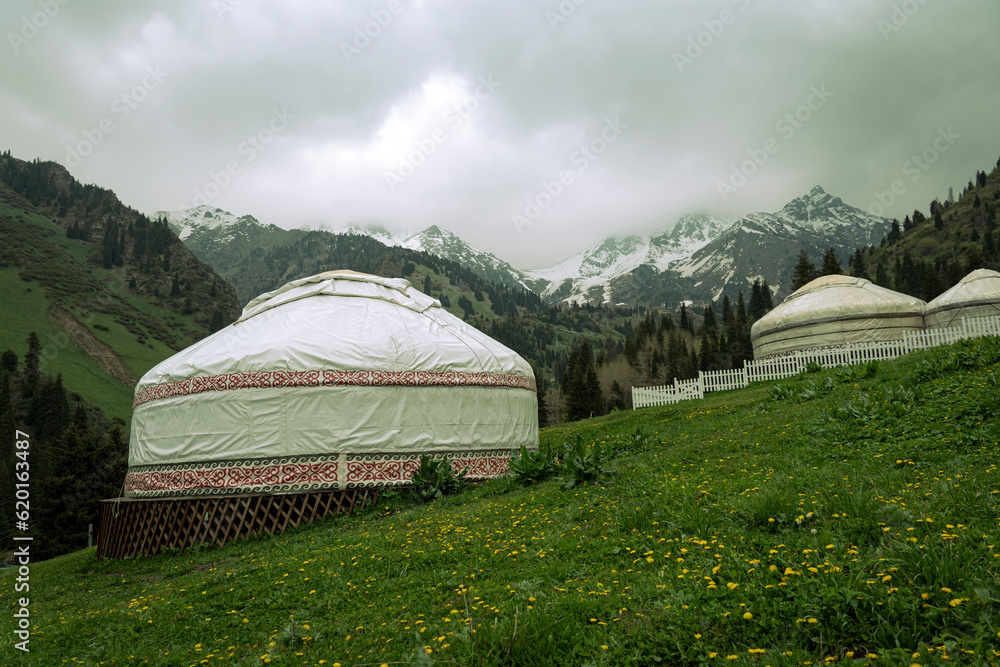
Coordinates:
[833,310]
[336,381]
[975,295]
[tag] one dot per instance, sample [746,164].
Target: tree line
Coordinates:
[76,456]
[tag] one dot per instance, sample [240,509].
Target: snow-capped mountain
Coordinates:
[197,222]
[441,243]
[700,257]
[588,275]
[764,245]
[209,230]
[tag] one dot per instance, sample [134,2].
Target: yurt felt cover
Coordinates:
[976,295]
[833,310]
[334,381]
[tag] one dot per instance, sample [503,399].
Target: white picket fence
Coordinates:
[776,368]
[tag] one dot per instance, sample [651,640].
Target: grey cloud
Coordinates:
[232,62]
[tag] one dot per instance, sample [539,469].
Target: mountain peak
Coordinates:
[817,191]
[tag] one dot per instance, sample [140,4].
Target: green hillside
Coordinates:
[931,250]
[848,515]
[109,292]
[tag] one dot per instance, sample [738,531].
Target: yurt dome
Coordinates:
[976,295]
[335,381]
[833,310]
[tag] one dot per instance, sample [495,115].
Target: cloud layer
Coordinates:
[528,128]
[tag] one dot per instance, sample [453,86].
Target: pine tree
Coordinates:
[29,381]
[831,264]
[858,264]
[881,276]
[765,292]
[8,361]
[894,232]
[705,352]
[756,301]
[711,324]
[616,397]
[685,320]
[804,272]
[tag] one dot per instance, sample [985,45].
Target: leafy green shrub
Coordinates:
[963,355]
[434,479]
[795,392]
[529,467]
[584,464]
[813,367]
[640,440]
[850,374]
[886,402]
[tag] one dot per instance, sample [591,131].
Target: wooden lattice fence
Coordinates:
[145,526]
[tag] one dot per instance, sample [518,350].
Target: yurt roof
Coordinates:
[980,287]
[836,297]
[341,320]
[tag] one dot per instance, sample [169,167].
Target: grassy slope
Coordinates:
[832,518]
[25,307]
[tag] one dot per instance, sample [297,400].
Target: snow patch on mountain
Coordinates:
[202,218]
[598,265]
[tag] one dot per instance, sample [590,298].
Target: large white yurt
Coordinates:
[833,310]
[976,295]
[336,381]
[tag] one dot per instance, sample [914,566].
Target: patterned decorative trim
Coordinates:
[279,379]
[298,473]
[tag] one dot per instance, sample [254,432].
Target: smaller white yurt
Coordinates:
[337,381]
[833,310]
[976,295]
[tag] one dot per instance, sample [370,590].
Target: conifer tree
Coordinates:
[804,272]
[831,265]
[756,301]
[711,324]
[29,381]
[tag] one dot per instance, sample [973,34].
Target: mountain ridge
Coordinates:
[699,257]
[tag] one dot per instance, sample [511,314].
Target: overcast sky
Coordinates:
[529,128]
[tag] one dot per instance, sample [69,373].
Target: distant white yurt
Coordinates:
[833,310]
[336,381]
[976,295]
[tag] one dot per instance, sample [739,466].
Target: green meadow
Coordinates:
[842,516]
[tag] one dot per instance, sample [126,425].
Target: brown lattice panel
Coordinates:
[135,526]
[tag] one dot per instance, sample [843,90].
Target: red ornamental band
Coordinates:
[249,476]
[328,378]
